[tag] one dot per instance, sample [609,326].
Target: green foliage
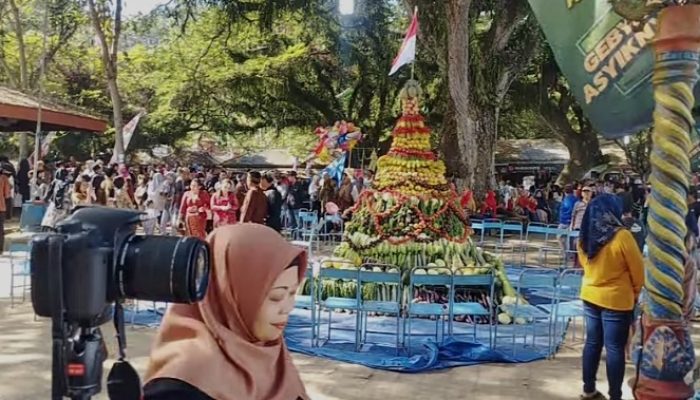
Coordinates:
[233,69]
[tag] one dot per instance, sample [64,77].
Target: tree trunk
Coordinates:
[584,154]
[486,135]
[23,70]
[109,63]
[117,107]
[459,142]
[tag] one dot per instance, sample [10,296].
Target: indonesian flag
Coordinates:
[45,147]
[407,53]
[127,134]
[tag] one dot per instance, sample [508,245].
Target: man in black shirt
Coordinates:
[274,203]
[693,203]
[294,199]
[625,196]
[636,228]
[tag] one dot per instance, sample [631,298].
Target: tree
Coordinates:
[480,47]
[100,15]
[228,76]
[637,150]
[21,30]
[543,92]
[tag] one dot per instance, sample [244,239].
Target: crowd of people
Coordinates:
[611,218]
[180,200]
[562,206]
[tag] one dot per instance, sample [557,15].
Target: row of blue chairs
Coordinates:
[560,287]
[536,236]
[558,291]
[394,305]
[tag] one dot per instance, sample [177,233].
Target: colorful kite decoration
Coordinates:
[334,141]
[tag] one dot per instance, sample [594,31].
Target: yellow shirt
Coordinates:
[614,278]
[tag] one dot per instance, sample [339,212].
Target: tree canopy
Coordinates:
[261,70]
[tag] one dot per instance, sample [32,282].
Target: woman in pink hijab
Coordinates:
[231,345]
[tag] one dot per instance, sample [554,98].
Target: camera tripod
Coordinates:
[77,363]
[78,350]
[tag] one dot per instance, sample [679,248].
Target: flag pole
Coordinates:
[413,64]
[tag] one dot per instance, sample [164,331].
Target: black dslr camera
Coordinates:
[82,273]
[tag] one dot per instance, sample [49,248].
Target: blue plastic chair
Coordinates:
[308,234]
[391,284]
[554,232]
[489,225]
[307,222]
[339,303]
[534,230]
[473,308]
[19,270]
[438,311]
[533,279]
[570,252]
[501,246]
[512,227]
[308,302]
[331,237]
[568,304]
[29,224]
[477,226]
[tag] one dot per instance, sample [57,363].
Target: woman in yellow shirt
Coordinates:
[613,277]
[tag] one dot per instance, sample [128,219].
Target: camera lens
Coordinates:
[163,268]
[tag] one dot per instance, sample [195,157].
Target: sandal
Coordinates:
[595,396]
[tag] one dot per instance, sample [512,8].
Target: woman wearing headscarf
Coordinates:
[346,193]
[230,346]
[543,211]
[467,202]
[326,193]
[224,204]
[613,278]
[167,193]
[22,181]
[155,203]
[490,204]
[57,200]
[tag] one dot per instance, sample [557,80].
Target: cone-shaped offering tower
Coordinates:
[412,216]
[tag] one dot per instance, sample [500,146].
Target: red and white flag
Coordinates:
[45,147]
[127,134]
[407,53]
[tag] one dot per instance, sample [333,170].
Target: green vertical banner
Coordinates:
[608,61]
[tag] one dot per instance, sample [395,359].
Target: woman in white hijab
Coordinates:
[155,200]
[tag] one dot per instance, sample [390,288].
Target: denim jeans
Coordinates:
[610,329]
[293,218]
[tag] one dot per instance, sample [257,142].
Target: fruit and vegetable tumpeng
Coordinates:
[412,216]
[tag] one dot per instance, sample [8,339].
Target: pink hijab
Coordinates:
[210,345]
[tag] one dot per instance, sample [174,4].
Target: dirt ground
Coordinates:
[25,361]
[25,370]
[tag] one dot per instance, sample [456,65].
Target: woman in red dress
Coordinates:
[224,205]
[193,210]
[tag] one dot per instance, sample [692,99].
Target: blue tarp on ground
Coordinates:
[425,353]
